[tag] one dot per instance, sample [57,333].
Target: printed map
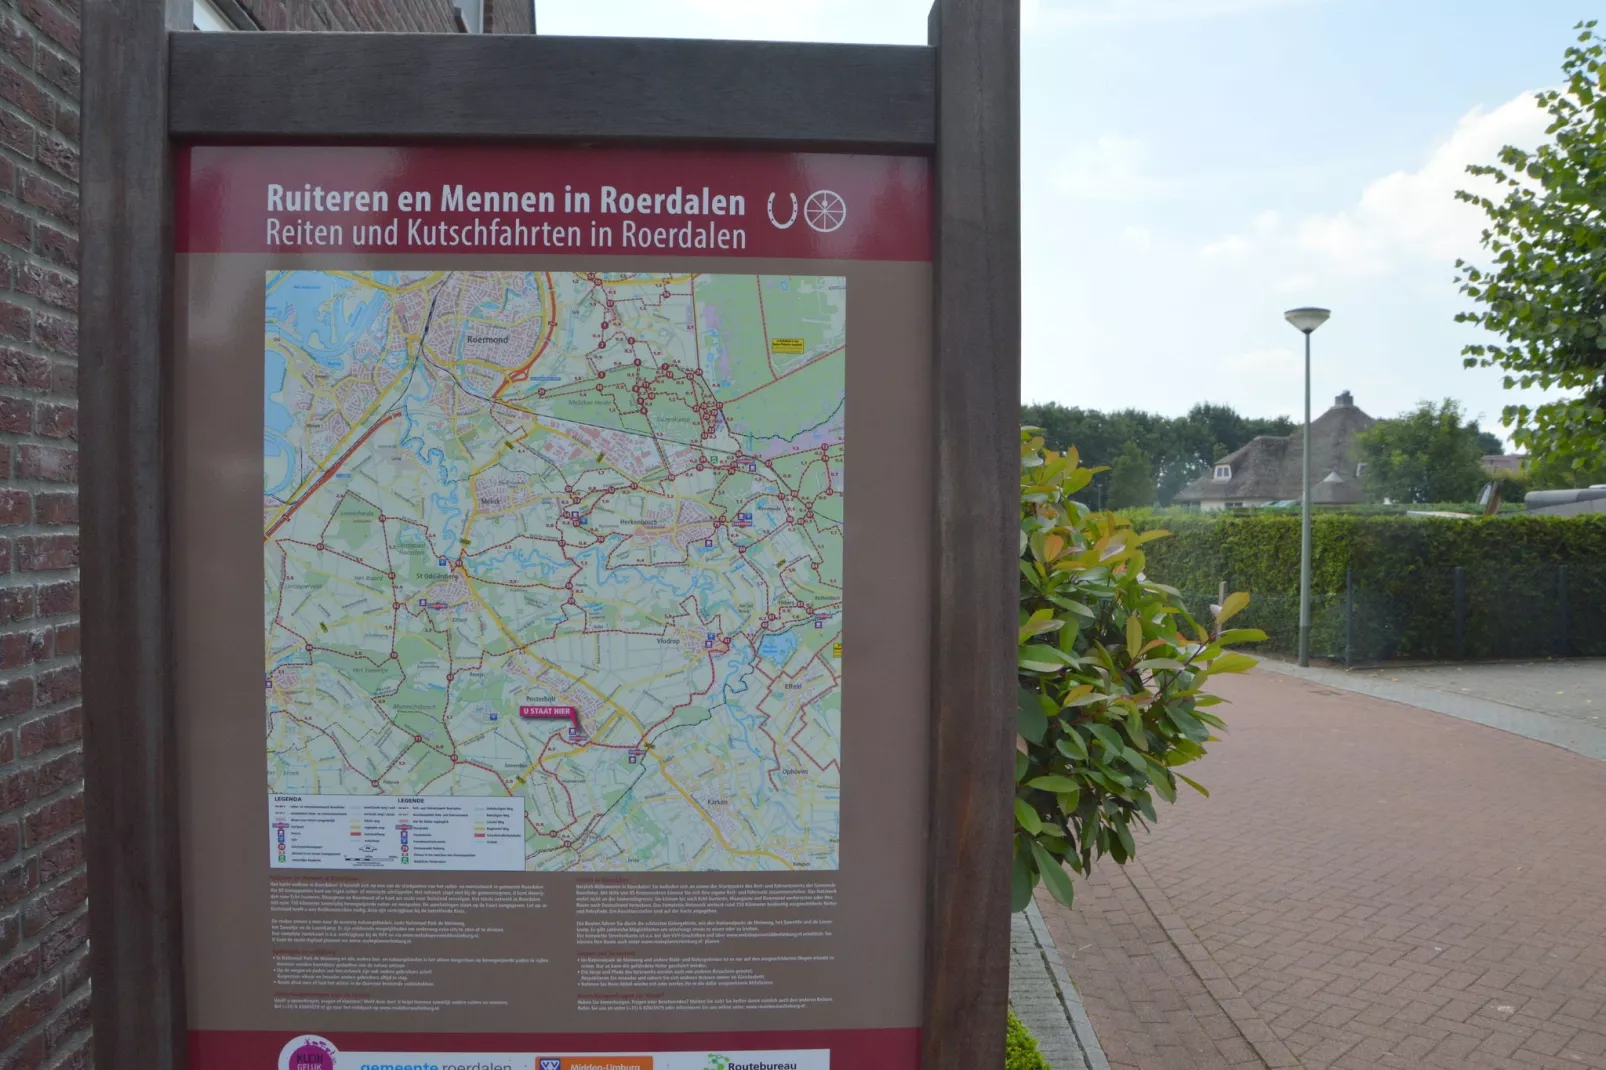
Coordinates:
[569,538]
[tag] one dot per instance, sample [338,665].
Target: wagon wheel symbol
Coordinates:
[825,211]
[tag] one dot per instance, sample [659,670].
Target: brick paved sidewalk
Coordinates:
[1369,885]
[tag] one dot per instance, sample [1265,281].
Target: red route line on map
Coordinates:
[329,472]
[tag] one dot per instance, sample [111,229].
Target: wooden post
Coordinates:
[136,932]
[977,332]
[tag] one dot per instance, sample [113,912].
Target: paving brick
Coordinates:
[1371,907]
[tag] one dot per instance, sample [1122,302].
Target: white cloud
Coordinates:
[1232,247]
[1137,239]
[1415,213]
[1278,361]
[1111,169]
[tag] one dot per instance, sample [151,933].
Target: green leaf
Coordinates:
[1054,875]
[1022,763]
[1194,784]
[1071,745]
[1134,636]
[1054,784]
[1038,658]
[1068,800]
[1027,818]
[1234,605]
[1106,735]
[1232,663]
[1030,721]
[1022,879]
[1241,635]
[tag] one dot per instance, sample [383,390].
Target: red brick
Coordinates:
[16,507]
[48,197]
[52,22]
[24,648]
[61,857]
[68,1022]
[21,90]
[16,415]
[54,245]
[58,685]
[17,603]
[57,421]
[49,286]
[16,696]
[17,134]
[55,508]
[53,463]
[45,553]
[15,320]
[10,840]
[60,72]
[17,788]
[55,775]
[67,122]
[24,369]
[31,1011]
[18,881]
[44,910]
[28,1055]
[76,975]
[52,819]
[51,730]
[5,556]
[16,41]
[57,598]
[10,933]
[69,641]
[19,973]
[58,335]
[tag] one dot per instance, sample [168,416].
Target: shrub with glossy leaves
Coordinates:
[1112,677]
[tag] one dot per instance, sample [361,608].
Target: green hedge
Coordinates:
[1020,1048]
[1529,586]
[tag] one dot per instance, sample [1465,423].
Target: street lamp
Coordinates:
[1306,320]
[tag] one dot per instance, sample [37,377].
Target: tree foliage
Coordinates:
[1545,290]
[1179,449]
[1430,454]
[1131,479]
[1112,671]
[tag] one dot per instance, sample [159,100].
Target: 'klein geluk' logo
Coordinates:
[307,1053]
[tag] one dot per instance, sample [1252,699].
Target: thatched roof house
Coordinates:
[1268,469]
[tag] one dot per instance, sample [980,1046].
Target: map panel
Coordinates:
[572,540]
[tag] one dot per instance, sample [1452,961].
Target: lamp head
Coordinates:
[1307,319]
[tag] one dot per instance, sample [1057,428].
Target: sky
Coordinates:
[1193,168]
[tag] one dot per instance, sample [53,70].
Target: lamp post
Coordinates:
[1306,320]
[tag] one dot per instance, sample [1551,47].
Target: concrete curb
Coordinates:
[1542,727]
[1041,993]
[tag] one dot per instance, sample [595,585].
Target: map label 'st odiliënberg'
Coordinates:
[562,562]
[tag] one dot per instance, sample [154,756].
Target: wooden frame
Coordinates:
[147,88]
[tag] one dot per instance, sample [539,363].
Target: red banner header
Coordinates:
[454,200]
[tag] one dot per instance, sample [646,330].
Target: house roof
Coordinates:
[1268,468]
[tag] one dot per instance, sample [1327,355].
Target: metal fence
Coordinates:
[1437,614]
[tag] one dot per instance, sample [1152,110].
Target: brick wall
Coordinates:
[508,16]
[427,16]
[44,976]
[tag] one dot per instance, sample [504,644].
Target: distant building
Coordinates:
[1499,464]
[1268,469]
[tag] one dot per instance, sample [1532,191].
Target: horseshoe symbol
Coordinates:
[776,222]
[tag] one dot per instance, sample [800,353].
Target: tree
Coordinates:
[1546,296]
[1562,473]
[1491,444]
[1180,449]
[1132,480]
[1113,675]
[1426,455]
